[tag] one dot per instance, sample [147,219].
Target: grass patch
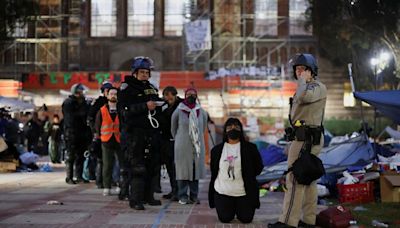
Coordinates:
[388,213]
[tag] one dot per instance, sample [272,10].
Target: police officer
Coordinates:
[77,133]
[306,112]
[140,134]
[96,143]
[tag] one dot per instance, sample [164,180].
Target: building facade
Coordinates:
[104,36]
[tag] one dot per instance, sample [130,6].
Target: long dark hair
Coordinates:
[233,121]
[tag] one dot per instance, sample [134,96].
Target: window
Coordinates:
[140,18]
[177,12]
[297,18]
[266,18]
[104,18]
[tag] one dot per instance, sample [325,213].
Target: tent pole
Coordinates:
[363,125]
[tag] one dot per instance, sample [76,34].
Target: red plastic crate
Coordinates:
[356,193]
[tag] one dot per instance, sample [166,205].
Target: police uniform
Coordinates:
[308,105]
[307,109]
[140,141]
[77,135]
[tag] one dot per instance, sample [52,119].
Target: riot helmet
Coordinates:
[307,60]
[142,62]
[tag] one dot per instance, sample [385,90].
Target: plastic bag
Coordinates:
[29,158]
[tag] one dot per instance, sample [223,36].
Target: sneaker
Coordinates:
[69,181]
[183,201]
[194,201]
[279,225]
[106,192]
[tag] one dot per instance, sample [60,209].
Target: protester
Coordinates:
[234,165]
[107,129]
[95,148]
[170,95]
[305,117]
[188,124]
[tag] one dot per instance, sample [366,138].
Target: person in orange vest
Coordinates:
[107,129]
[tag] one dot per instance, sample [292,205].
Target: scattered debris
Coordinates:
[54,202]
[360,208]
[377,223]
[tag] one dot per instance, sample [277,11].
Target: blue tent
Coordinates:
[338,157]
[386,101]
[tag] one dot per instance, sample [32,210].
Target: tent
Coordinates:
[386,101]
[15,105]
[337,157]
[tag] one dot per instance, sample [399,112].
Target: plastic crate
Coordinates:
[356,193]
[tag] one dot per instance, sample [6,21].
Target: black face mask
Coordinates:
[233,134]
[191,99]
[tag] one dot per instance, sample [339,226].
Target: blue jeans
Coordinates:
[183,186]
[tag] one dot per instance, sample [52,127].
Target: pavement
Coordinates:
[24,198]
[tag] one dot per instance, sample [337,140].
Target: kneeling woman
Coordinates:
[235,163]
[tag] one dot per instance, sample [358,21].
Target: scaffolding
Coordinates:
[244,37]
[45,41]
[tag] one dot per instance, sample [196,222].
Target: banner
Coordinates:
[198,35]
[261,72]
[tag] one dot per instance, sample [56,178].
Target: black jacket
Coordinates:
[94,108]
[132,103]
[75,115]
[251,167]
[166,116]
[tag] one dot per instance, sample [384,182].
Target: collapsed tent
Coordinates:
[336,158]
[386,101]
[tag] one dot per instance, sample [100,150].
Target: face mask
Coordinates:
[233,134]
[191,99]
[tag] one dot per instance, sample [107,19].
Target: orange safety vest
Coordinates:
[108,126]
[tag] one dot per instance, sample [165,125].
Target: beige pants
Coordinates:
[300,200]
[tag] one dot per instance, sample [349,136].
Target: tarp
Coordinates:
[386,101]
[272,155]
[355,151]
[15,105]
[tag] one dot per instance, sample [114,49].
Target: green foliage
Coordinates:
[354,31]
[347,126]
[13,12]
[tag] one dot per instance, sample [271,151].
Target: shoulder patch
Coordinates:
[123,86]
[312,85]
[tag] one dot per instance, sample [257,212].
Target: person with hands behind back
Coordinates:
[234,165]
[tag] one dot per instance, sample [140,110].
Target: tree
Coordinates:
[354,31]
[15,13]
